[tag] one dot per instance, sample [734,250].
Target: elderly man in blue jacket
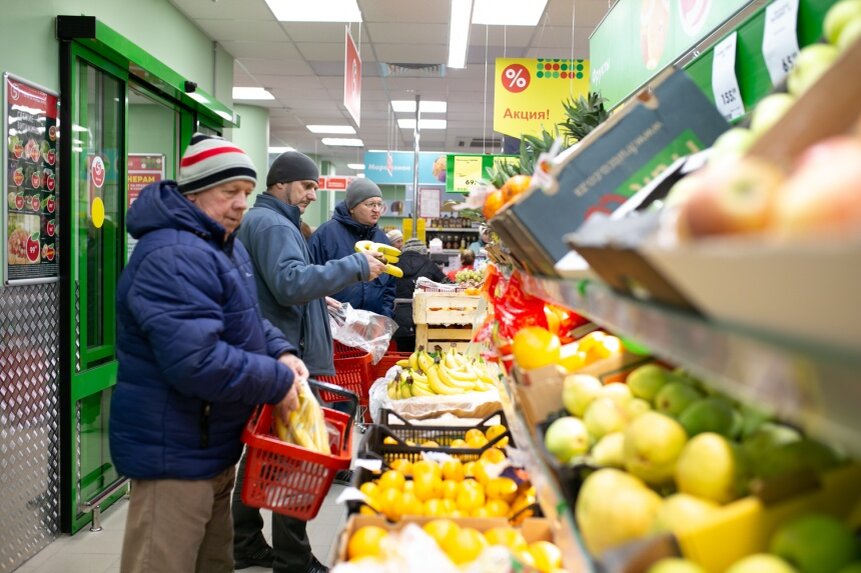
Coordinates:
[195,357]
[355,220]
[292,293]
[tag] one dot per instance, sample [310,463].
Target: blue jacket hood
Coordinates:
[161,206]
[342,215]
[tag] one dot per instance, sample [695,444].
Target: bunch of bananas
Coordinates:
[389,253]
[307,425]
[447,374]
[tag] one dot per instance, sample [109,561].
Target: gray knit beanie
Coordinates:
[292,166]
[359,190]
[415,245]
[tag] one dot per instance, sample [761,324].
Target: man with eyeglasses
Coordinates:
[356,219]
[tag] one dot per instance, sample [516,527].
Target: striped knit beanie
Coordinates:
[211,161]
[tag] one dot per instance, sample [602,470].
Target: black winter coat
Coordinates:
[414,265]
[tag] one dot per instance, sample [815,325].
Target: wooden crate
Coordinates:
[444,307]
[429,336]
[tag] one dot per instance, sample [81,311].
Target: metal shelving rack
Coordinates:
[816,388]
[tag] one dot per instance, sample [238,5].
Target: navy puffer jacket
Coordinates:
[195,356]
[336,239]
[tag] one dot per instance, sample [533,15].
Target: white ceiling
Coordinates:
[302,64]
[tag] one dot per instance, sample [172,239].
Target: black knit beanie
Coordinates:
[292,166]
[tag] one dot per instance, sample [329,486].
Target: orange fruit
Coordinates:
[427,486]
[442,530]
[390,503]
[507,537]
[472,434]
[515,186]
[370,489]
[469,470]
[402,465]
[497,508]
[466,546]
[493,455]
[480,472]
[449,489]
[547,556]
[365,542]
[430,444]
[534,347]
[434,507]
[452,470]
[469,497]
[458,443]
[388,440]
[426,467]
[409,486]
[501,488]
[409,504]
[476,442]
[494,430]
[493,203]
[480,512]
[391,479]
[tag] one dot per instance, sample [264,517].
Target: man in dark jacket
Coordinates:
[195,357]
[355,220]
[292,294]
[415,263]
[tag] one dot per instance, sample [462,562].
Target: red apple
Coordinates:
[33,250]
[19,201]
[34,202]
[18,177]
[51,156]
[736,197]
[49,228]
[823,193]
[51,182]
[50,203]
[36,180]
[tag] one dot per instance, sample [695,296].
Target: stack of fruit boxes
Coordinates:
[444,318]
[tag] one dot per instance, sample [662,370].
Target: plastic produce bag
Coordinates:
[307,425]
[363,329]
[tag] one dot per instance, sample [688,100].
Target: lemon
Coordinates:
[365,542]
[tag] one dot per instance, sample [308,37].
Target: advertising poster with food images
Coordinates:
[30,198]
[143,169]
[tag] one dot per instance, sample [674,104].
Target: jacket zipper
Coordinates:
[204,424]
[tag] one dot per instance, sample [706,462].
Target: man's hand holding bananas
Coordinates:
[384,252]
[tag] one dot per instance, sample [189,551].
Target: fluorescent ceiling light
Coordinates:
[409,105]
[342,141]
[316,11]
[356,165]
[410,123]
[342,129]
[508,12]
[458,33]
[362,175]
[198,98]
[251,93]
[280,150]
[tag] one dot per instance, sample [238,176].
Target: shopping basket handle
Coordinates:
[334,389]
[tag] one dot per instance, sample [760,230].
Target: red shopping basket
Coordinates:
[355,374]
[387,361]
[289,479]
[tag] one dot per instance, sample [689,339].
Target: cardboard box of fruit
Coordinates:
[534,537]
[774,242]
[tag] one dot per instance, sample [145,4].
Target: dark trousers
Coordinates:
[289,537]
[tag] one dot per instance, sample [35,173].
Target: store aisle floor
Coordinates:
[99,552]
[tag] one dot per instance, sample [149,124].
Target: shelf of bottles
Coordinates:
[456,233]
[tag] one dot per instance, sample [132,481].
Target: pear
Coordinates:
[710,415]
[682,511]
[609,452]
[646,381]
[712,468]
[653,443]
[815,543]
[578,391]
[761,563]
[673,398]
[675,565]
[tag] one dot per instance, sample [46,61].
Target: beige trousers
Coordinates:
[179,526]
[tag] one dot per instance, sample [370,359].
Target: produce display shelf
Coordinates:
[451,230]
[550,497]
[815,387]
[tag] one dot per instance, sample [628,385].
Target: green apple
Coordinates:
[566,438]
[712,468]
[710,415]
[673,398]
[578,391]
[636,407]
[603,417]
[796,456]
[815,543]
[731,143]
[646,380]
[810,64]
[618,393]
[653,443]
[838,17]
[761,563]
[768,111]
[675,565]
[854,567]
[849,35]
[767,438]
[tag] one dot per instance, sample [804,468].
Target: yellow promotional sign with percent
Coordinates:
[528,93]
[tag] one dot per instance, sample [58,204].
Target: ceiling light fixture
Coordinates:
[342,141]
[458,33]
[316,11]
[508,12]
[410,123]
[339,129]
[280,150]
[356,165]
[426,106]
[251,93]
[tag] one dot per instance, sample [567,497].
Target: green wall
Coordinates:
[252,136]
[148,126]
[29,48]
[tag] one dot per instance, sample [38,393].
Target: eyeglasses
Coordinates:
[374,205]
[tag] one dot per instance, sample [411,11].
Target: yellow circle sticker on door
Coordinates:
[97,213]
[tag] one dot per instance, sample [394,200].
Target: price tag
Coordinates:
[467,172]
[724,82]
[780,39]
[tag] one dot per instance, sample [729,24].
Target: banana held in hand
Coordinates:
[389,253]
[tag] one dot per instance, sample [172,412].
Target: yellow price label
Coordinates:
[467,172]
